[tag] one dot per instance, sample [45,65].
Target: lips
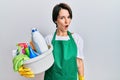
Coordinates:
[66,26]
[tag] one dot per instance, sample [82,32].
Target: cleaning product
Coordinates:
[32,52]
[19,60]
[32,45]
[23,48]
[26,72]
[38,41]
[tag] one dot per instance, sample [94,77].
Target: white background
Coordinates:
[98,22]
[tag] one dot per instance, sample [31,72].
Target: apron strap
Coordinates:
[54,36]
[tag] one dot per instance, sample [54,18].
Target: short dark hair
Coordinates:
[57,9]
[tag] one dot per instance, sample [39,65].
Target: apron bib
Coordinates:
[65,65]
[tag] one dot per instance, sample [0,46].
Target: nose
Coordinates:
[66,20]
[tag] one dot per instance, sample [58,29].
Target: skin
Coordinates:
[63,21]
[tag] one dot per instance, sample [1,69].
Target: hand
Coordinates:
[26,72]
[81,77]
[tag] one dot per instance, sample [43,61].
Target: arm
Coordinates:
[80,66]
[80,63]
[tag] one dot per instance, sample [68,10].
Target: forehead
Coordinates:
[64,12]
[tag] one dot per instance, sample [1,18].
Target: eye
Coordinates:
[68,17]
[62,17]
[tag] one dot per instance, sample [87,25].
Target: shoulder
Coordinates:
[48,38]
[77,37]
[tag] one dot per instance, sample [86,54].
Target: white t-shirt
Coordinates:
[77,38]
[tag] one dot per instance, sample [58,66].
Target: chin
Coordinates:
[65,30]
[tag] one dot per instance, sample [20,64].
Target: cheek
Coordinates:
[69,21]
[60,22]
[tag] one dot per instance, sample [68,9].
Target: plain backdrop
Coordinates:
[97,21]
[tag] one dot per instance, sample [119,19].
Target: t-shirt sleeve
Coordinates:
[48,39]
[79,42]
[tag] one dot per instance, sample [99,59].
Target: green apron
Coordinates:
[65,65]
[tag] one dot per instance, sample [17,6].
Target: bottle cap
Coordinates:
[34,29]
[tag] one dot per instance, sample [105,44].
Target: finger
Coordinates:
[25,73]
[27,69]
[24,69]
[21,68]
[29,76]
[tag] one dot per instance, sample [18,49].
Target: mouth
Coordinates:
[66,26]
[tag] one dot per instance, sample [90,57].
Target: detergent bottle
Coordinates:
[32,52]
[38,41]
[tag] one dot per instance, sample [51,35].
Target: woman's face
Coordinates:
[63,20]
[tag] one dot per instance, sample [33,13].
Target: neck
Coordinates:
[61,33]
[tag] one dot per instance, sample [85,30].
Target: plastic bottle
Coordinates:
[38,41]
[32,52]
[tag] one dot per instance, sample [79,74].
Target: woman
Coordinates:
[67,48]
